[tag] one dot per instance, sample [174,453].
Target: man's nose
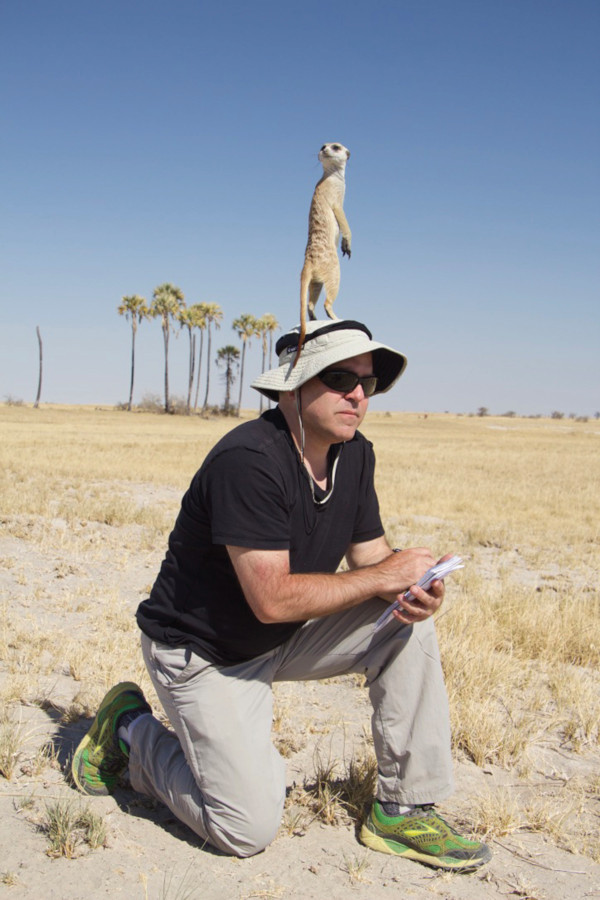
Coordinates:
[356,393]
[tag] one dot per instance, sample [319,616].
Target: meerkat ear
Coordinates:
[347,154]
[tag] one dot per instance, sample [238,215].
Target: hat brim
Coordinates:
[320,353]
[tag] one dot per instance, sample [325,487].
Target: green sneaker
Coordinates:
[424,836]
[101,756]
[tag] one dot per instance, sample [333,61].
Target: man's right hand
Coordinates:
[404,568]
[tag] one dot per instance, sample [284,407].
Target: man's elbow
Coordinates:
[267,613]
[265,617]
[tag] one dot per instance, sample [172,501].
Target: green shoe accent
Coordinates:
[424,836]
[101,757]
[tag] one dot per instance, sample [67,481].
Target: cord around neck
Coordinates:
[300,449]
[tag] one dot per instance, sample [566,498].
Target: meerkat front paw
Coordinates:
[346,251]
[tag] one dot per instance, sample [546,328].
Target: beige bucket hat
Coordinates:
[326,343]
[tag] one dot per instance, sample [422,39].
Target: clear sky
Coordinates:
[148,142]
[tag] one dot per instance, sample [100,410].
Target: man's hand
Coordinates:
[402,569]
[423,603]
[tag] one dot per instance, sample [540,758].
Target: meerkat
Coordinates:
[326,220]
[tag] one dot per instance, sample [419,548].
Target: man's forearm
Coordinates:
[277,595]
[309,596]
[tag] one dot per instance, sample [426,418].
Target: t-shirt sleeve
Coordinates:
[246,501]
[367,525]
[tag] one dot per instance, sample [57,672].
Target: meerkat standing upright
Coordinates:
[326,220]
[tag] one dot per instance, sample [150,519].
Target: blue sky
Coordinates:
[146,142]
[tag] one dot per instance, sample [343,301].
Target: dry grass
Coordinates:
[68,825]
[11,743]
[87,489]
[337,791]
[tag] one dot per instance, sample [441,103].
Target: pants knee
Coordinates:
[240,836]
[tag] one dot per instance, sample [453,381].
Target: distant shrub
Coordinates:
[151,403]
[209,411]
[510,414]
[177,406]
[557,415]
[13,401]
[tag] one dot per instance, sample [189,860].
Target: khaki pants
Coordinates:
[220,773]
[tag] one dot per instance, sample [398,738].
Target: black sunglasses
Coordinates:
[345,382]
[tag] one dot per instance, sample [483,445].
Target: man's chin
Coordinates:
[347,429]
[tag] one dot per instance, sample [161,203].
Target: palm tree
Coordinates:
[167,302]
[133,308]
[246,327]
[214,314]
[186,319]
[228,356]
[267,324]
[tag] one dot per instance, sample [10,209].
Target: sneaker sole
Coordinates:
[82,785]
[395,848]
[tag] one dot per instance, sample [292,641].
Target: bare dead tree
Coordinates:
[39,390]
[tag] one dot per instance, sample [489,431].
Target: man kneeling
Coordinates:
[249,593]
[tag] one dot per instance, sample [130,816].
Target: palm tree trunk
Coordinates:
[228,382]
[205,406]
[199,369]
[133,330]
[166,341]
[241,377]
[191,370]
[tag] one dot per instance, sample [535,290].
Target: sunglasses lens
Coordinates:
[369,385]
[345,382]
[339,381]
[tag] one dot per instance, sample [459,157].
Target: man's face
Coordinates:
[329,415]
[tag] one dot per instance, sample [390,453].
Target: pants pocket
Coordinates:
[175,665]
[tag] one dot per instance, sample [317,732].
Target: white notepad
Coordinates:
[437,572]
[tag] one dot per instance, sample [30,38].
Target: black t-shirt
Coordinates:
[253,491]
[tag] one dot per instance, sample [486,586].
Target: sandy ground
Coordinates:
[147,852]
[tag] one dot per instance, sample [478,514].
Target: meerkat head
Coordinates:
[333,156]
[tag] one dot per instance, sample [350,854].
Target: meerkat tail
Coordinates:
[304,285]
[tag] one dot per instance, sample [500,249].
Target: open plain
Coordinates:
[88,499]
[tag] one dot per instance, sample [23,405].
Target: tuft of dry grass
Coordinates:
[287,740]
[12,739]
[333,798]
[67,825]
[497,814]
[356,866]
